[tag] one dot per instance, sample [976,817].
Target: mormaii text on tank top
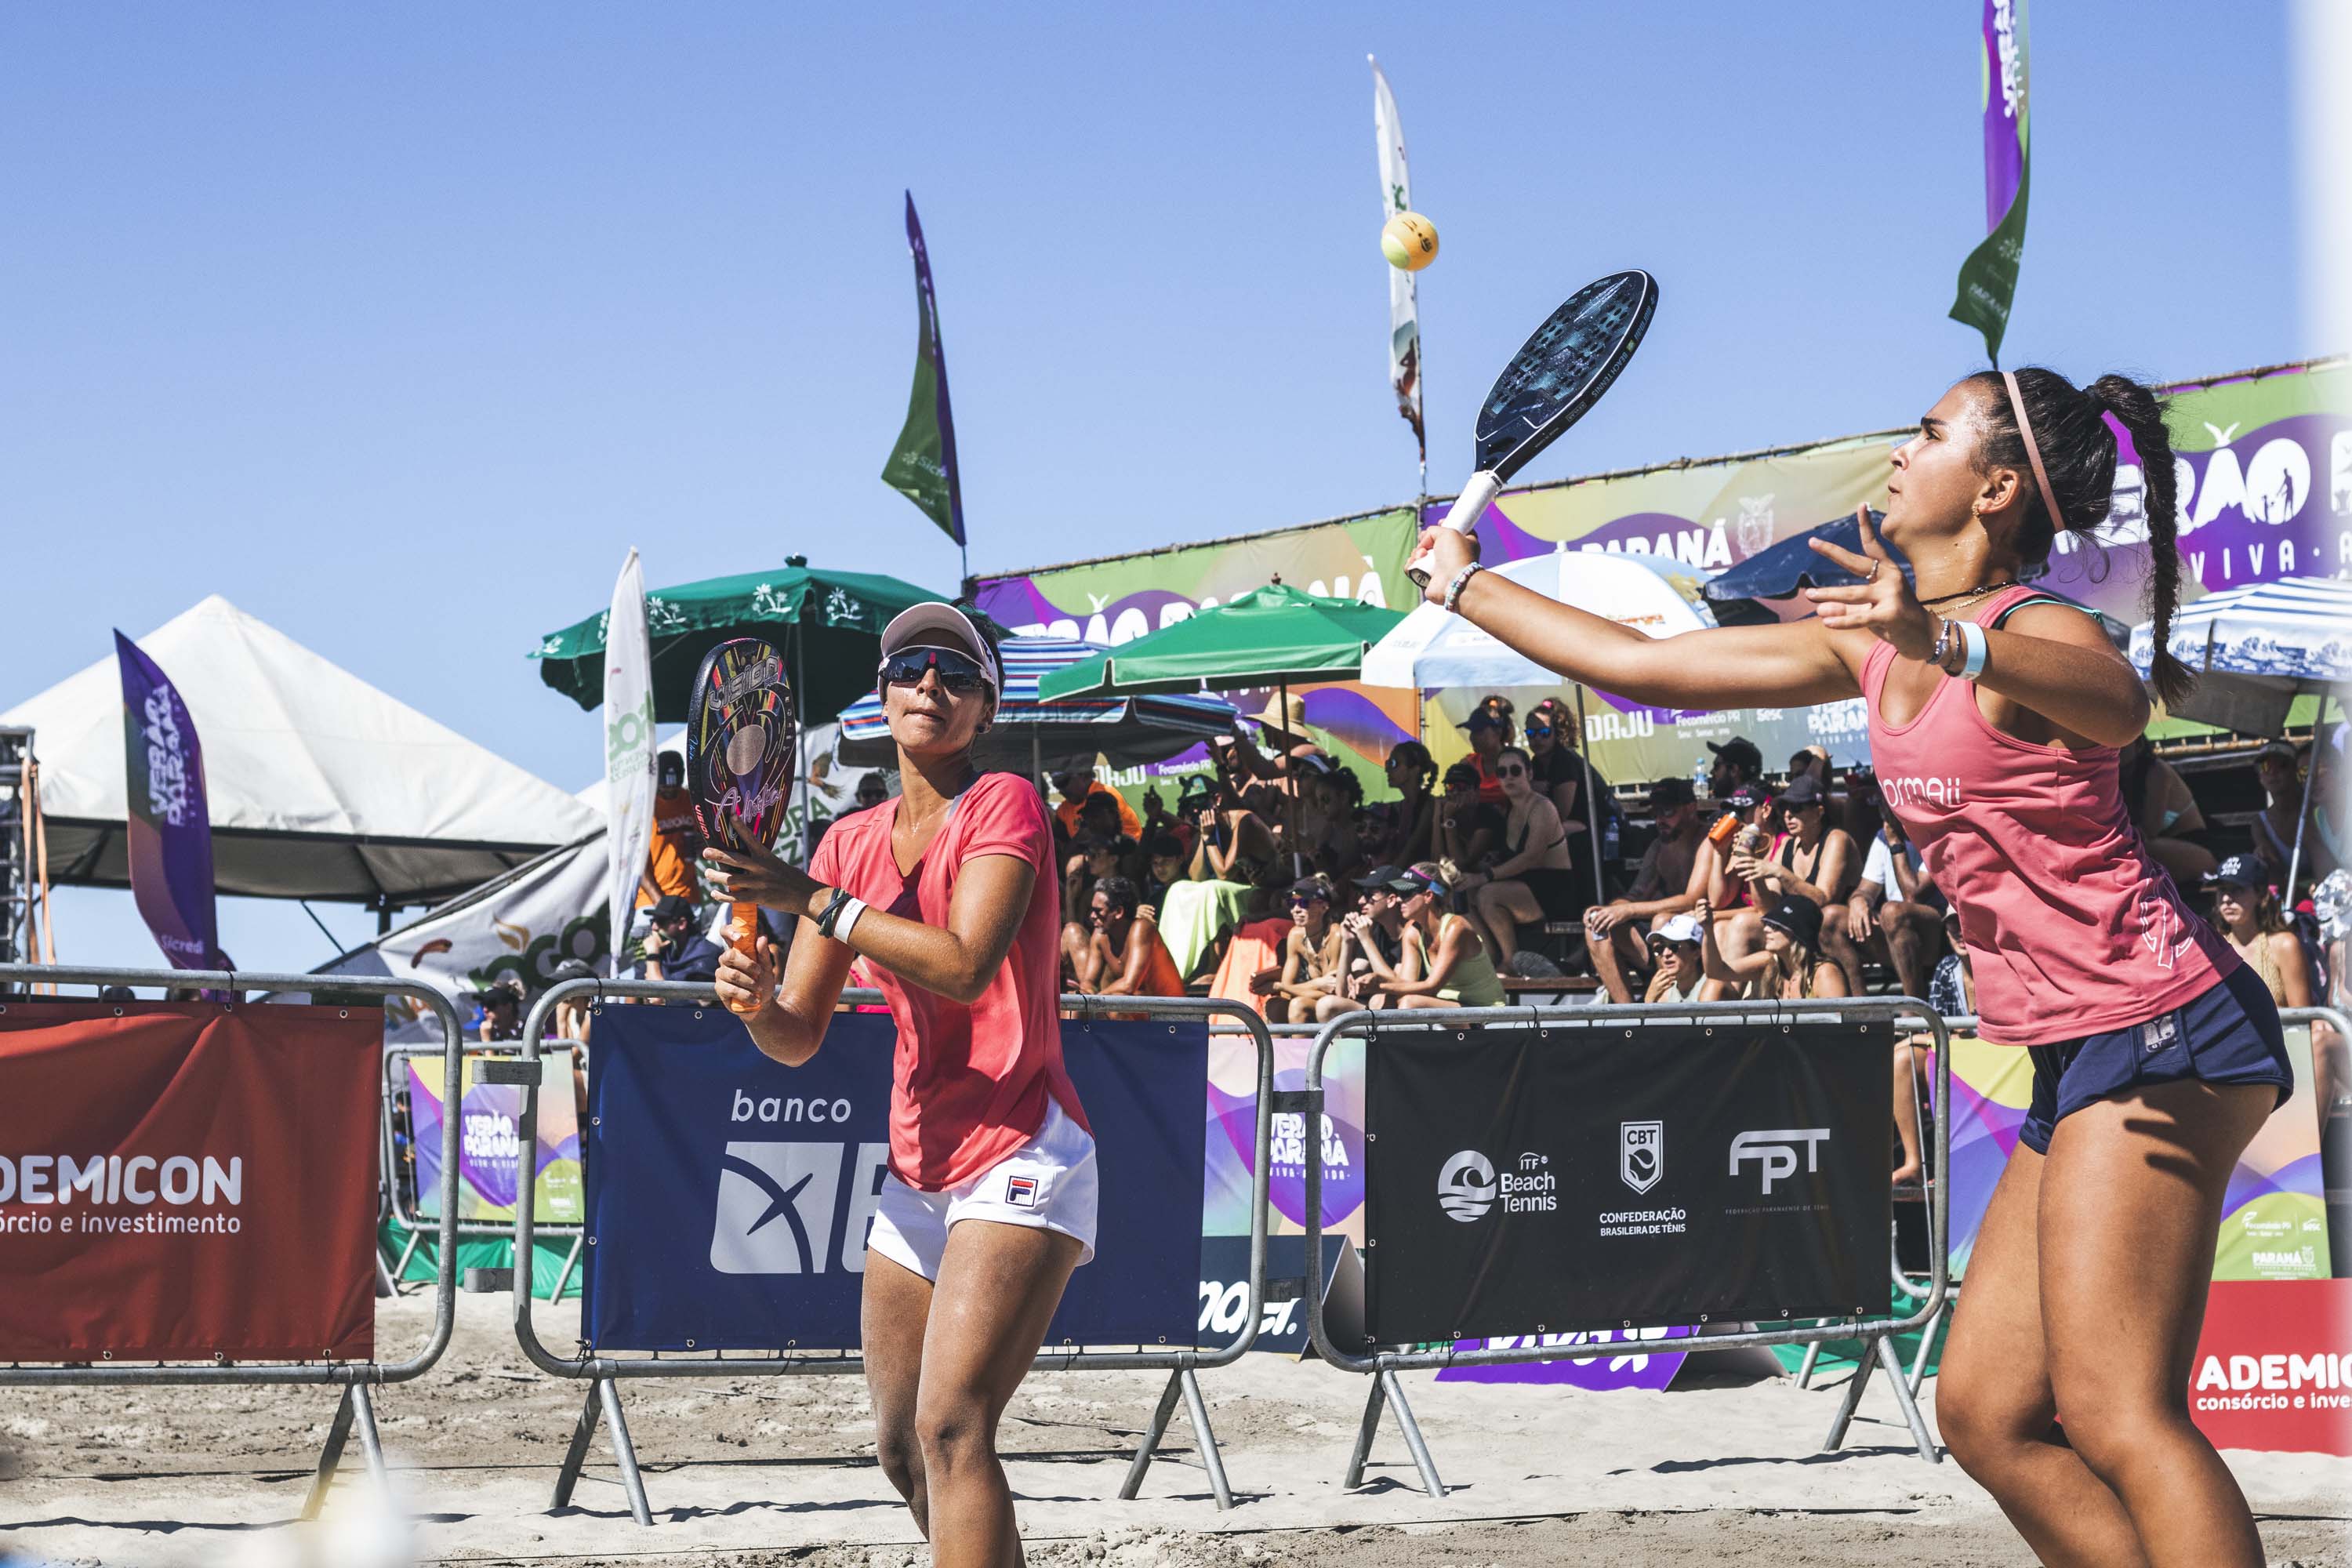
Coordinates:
[2072,928]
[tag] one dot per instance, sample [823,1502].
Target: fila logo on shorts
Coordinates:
[1021,1192]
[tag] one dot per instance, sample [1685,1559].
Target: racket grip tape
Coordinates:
[743,936]
[1462,516]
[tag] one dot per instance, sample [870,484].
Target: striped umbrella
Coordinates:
[1128,731]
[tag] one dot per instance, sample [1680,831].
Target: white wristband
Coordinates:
[1977,646]
[847,918]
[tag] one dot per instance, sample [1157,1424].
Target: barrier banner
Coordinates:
[1523,1184]
[729,1196]
[2273,1366]
[488,1118]
[183,1180]
[1232,1139]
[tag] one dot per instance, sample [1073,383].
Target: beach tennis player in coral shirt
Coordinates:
[1996,714]
[948,893]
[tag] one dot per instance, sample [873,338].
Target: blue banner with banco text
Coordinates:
[729,1196]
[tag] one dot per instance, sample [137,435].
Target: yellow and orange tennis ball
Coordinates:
[1410,241]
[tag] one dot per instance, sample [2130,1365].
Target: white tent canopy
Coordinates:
[319,785]
[1433,647]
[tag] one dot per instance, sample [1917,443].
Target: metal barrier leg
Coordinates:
[1910,1406]
[400,1270]
[1197,1409]
[1152,1435]
[339,1431]
[570,1262]
[624,1452]
[567,1476]
[1805,1367]
[1370,1424]
[371,1444]
[1864,1364]
[1926,1341]
[384,1283]
[1412,1440]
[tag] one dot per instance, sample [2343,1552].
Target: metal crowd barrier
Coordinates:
[356,1408]
[604,1374]
[395,1086]
[1383,1366]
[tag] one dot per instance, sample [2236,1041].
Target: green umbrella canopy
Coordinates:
[1274,635]
[827,624]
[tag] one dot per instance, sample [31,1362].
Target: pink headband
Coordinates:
[2033,450]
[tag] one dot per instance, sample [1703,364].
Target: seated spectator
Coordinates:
[1125,957]
[873,789]
[2246,912]
[1668,883]
[1097,858]
[1233,848]
[1311,955]
[1811,762]
[1451,967]
[1372,946]
[1077,784]
[2279,765]
[2171,825]
[1865,808]
[1489,728]
[1809,860]
[1322,826]
[1892,915]
[1469,831]
[1559,769]
[1952,989]
[501,1004]
[1405,828]
[1679,968]
[1166,855]
[1742,834]
[1532,881]
[573,1013]
[1159,821]
[1737,762]
[1788,966]
[675,949]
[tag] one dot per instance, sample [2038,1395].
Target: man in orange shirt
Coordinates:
[1076,781]
[676,841]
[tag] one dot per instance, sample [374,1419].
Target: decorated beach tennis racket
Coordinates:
[740,738]
[1550,384]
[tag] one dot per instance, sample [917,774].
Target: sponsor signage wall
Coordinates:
[2273,1366]
[1525,1183]
[489,1119]
[1232,1140]
[729,1196]
[180,1180]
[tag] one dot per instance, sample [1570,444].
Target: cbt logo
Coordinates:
[1466,1186]
[1776,1150]
[1641,1153]
[796,1209]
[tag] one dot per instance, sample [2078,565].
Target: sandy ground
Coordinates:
[780,1471]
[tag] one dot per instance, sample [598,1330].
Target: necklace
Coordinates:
[1970,595]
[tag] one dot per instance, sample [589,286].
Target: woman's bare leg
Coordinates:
[1498,910]
[895,1313]
[1906,1113]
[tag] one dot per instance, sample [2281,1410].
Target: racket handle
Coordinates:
[743,936]
[1462,516]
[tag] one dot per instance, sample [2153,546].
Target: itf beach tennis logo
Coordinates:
[1466,1186]
[778,1205]
[1641,1153]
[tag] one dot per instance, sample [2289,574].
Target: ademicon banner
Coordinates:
[1522,1181]
[729,1196]
[180,1181]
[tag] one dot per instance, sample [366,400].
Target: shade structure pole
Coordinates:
[1591,807]
[1036,759]
[801,783]
[1289,788]
[2303,816]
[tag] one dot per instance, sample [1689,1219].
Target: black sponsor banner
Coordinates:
[1519,1181]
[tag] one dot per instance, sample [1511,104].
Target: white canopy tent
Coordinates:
[319,785]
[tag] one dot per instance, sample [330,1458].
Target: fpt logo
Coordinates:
[796,1209]
[1641,1153]
[1776,1148]
[1466,1186]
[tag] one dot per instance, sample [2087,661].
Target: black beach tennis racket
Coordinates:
[740,738]
[1550,384]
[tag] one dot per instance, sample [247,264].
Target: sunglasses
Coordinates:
[1538,732]
[1301,900]
[960,674]
[1510,770]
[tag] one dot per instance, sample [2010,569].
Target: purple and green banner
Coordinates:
[1989,277]
[922,466]
[487,1144]
[167,823]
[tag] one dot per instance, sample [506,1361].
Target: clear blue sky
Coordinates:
[399,325]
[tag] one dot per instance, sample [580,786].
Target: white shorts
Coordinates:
[1048,1183]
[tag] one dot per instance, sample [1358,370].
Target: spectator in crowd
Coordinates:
[1668,883]
[1809,860]
[2246,912]
[1407,825]
[1737,762]
[2279,765]
[1532,881]
[1125,957]
[1559,768]
[1452,967]
[1322,828]
[1282,741]
[1787,967]
[677,843]
[1310,967]
[1469,830]
[1098,857]
[1866,809]
[1743,833]
[1373,951]
[1159,821]
[1952,989]
[675,949]
[1231,850]
[2324,836]
[117,993]
[1811,762]
[873,789]
[1165,852]
[1893,914]
[1489,728]
[2169,822]
[501,1004]
[1076,781]
[1678,972]
[573,1014]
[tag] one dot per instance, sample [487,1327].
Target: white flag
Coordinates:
[1404,305]
[628,747]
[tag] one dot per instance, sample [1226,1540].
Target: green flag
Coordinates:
[1989,277]
[922,466]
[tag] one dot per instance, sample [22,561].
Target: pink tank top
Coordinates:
[2072,928]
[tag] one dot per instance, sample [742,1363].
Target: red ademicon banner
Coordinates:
[187,1180]
[2273,1366]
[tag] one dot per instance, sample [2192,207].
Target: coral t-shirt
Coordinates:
[968,1085]
[677,840]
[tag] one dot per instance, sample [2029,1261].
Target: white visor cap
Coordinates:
[941,626]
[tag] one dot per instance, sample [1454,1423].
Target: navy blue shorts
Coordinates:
[2229,1034]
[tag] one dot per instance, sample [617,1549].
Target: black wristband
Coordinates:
[832,912]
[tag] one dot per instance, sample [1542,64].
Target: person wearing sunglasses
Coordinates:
[1125,957]
[1535,879]
[1311,952]
[949,893]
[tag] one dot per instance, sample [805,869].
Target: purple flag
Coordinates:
[167,823]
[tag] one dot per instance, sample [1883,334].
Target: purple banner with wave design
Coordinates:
[167,823]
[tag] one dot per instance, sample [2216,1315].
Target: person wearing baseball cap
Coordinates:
[1811,861]
[1666,884]
[1454,968]
[2246,912]
[1372,942]
[1675,945]
[1787,966]
[1737,762]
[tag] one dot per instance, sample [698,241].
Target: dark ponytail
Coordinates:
[2078,452]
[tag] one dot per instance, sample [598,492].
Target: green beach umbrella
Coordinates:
[1270,637]
[828,626]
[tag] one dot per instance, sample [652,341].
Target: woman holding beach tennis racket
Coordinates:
[949,893]
[1995,718]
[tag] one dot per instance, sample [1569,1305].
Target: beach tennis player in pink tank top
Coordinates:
[949,894]
[1996,715]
